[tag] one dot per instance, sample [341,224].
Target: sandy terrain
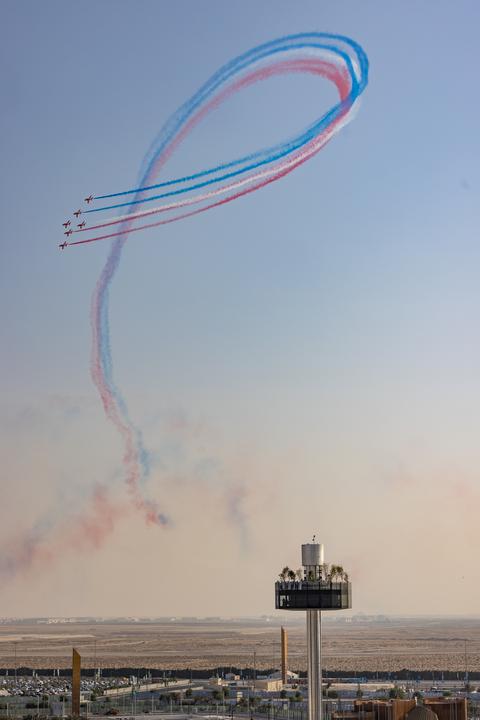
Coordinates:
[429,644]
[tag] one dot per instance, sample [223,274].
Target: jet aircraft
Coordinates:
[82,224]
[89,199]
[77,213]
[68,232]
[63,245]
[66,224]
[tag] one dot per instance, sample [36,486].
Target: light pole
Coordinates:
[15,652]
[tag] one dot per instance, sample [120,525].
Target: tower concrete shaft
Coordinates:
[312,561]
[314,664]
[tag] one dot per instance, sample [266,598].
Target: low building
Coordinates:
[268,685]
[290,676]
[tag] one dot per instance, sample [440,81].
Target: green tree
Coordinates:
[396,693]
[188,692]
[336,572]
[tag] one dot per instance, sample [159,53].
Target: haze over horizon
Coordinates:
[306,360]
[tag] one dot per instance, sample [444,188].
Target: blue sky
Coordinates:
[319,339]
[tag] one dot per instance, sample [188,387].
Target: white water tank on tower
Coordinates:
[312,559]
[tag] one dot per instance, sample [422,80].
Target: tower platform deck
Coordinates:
[313,595]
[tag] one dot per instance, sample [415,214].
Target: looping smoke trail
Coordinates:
[334,57]
[316,67]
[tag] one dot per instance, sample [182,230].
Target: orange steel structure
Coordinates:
[448,708]
[396,709]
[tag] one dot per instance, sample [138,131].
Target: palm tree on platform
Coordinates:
[284,574]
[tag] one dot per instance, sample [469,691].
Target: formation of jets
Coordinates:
[67,224]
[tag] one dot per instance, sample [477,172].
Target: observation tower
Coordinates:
[317,587]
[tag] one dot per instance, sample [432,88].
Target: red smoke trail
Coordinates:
[81,533]
[131,459]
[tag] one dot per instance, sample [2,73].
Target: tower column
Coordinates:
[314,664]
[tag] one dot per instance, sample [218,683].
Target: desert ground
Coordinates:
[416,644]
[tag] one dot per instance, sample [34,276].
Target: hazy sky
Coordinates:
[311,351]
